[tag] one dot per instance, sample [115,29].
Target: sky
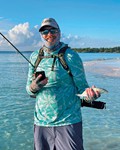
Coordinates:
[83,23]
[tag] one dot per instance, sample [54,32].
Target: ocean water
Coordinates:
[101,128]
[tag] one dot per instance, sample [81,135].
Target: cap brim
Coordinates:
[47,25]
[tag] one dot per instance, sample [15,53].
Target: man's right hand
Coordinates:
[36,84]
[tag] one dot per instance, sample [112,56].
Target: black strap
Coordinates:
[94,104]
[53,63]
[39,58]
[61,57]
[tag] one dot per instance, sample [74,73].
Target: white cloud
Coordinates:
[22,36]
[26,38]
[83,42]
[20,33]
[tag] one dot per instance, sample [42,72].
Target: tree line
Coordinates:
[98,50]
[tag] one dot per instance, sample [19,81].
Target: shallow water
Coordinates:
[101,128]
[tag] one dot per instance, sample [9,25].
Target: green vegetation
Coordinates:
[98,50]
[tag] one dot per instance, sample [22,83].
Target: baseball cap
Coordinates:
[49,22]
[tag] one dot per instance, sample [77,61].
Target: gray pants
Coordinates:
[58,138]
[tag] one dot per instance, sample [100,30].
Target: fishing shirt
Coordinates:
[56,103]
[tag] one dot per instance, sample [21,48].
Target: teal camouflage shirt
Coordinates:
[57,103]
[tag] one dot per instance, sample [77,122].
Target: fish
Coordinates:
[84,96]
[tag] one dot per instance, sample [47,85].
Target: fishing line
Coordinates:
[16,49]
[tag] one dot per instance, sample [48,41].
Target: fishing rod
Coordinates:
[16,49]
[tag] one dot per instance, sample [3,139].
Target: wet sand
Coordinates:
[109,68]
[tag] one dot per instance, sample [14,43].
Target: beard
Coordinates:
[51,41]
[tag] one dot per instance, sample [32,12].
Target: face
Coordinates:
[50,34]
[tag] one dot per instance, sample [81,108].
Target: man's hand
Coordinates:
[92,94]
[36,84]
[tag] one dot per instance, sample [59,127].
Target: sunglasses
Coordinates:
[52,31]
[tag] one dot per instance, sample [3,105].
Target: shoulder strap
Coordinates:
[62,59]
[39,58]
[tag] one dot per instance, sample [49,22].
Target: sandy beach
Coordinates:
[109,68]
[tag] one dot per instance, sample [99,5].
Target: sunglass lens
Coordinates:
[53,31]
[45,32]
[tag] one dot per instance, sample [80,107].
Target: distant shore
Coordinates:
[98,50]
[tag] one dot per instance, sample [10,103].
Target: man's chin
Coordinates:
[51,42]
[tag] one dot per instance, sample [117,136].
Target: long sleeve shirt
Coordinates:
[57,103]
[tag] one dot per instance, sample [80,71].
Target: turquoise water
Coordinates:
[101,128]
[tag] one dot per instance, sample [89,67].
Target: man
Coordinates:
[57,117]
